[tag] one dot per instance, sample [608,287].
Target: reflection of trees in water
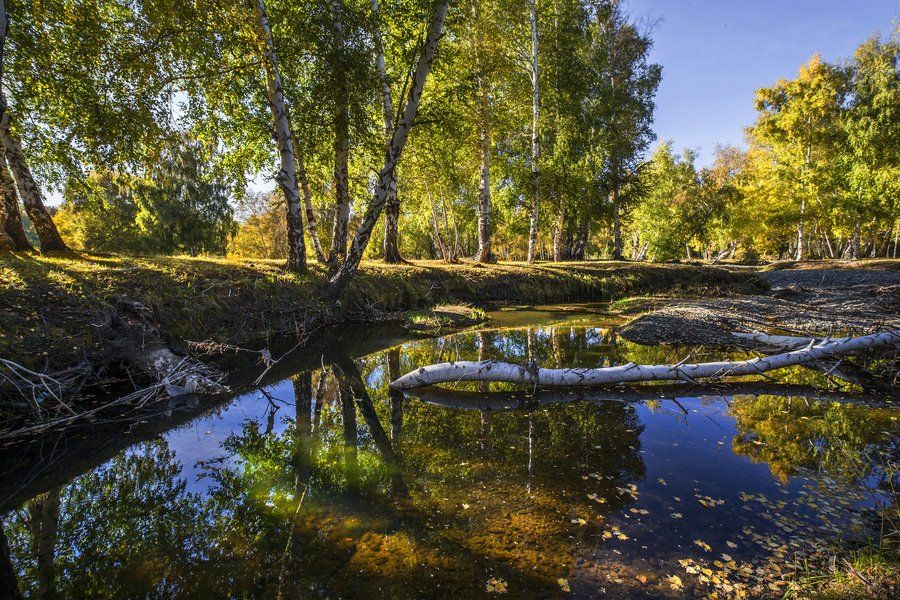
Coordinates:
[124,530]
[794,434]
[131,528]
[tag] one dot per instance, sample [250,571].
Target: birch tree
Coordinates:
[484,254]
[287,176]
[13,232]
[339,281]
[535,134]
[391,249]
[341,99]
[28,187]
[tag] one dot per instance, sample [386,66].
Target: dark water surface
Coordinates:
[310,488]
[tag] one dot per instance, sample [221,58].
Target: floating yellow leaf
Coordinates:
[495,585]
[703,545]
[563,584]
[675,582]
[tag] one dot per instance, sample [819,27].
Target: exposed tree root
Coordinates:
[136,344]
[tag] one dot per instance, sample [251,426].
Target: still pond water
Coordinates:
[478,491]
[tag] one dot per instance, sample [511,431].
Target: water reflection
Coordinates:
[331,484]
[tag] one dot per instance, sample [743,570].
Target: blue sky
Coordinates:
[716,53]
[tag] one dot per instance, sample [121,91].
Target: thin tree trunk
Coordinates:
[312,227]
[338,249]
[617,225]
[28,188]
[854,245]
[438,237]
[896,235]
[559,230]
[287,176]
[535,135]
[828,244]
[580,245]
[391,246]
[484,139]
[12,233]
[10,219]
[340,279]
[454,254]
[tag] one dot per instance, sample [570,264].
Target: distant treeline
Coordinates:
[532,128]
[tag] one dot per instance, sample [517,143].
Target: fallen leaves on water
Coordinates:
[563,584]
[495,585]
[675,582]
[703,545]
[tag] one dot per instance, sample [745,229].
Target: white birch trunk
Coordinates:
[287,176]
[28,187]
[484,137]
[303,181]
[391,246]
[340,279]
[11,229]
[535,136]
[490,370]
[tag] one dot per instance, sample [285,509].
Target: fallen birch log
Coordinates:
[841,367]
[532,375]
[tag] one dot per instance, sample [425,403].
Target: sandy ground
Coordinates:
[817,302]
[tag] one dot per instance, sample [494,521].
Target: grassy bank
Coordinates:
[52,307]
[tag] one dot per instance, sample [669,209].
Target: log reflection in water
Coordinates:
[522,400]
